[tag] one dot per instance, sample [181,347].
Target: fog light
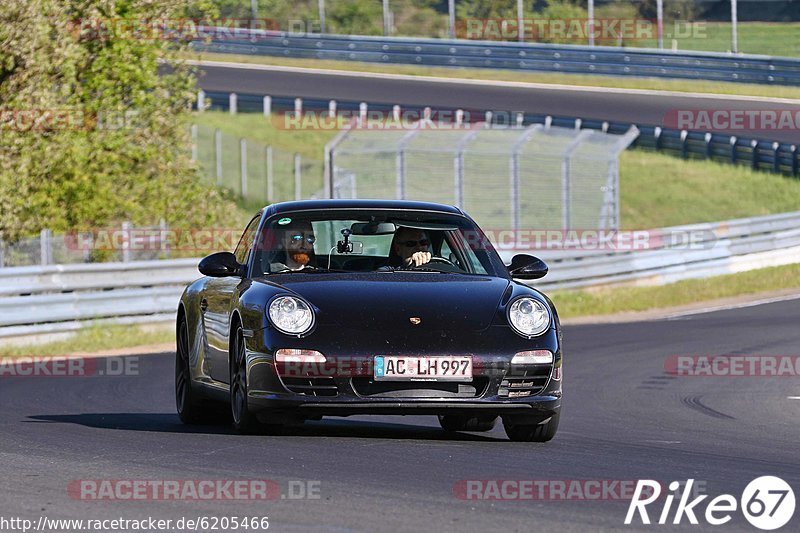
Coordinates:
[533,357]
[294,355]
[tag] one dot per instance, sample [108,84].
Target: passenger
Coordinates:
[296,248]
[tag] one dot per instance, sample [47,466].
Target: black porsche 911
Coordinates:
[344,307]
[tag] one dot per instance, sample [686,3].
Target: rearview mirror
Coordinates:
[373,228]
[220,265]
[525,266]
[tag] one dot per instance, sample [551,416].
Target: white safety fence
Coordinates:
[45,299]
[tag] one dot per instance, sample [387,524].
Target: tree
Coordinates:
[118,147]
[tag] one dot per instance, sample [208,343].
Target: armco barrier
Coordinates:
[38,300]
[518,56]
[759,154]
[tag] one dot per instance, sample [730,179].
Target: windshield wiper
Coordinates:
[307,270]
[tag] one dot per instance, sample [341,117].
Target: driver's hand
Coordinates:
[418,259]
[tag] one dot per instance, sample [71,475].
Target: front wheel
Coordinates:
[542,432]
[243,420]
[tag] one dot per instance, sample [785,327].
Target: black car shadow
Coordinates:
[170,423]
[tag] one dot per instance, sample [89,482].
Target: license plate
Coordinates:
[405,368]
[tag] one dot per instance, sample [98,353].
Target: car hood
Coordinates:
[390,300]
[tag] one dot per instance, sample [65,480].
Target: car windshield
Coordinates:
[374,241]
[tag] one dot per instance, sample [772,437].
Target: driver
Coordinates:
[410,248]
[296,248]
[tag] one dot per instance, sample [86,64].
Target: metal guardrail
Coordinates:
[573,59]
[56,298]
[759,154]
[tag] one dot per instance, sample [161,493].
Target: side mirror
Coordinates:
[525,266]
[220,265]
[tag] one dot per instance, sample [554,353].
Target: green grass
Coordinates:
[657,190]
[696,86]
[96,339]
[610,300]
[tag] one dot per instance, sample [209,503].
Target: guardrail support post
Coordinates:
[243,166]
[201,100]
[754,154]
[267,105]
[776,162]
[233,103]
[794,159]
[2,254]
[709,152]
[218,155]
[734,153]
[298,193]
[684,143]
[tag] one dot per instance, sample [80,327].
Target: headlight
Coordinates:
[291,315]
[529,317]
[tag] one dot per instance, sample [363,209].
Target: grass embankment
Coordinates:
[95,339]
[660,84]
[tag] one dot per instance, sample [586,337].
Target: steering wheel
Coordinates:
[434,259]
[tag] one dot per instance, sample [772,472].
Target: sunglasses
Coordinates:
[297,239]
[412,244]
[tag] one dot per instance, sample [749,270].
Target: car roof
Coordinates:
[409,205]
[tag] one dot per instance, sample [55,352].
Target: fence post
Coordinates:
[218,155]
[269,175]
[734,153]
[776,162]
[267,103]
[45,247]
[298,194]
[201,100]
[684,143]
[164,238]
[126,242]
[298,106]
[566,177]
[332,109]
[657,135]
[400,165]
[754,159]
[2,254]
[709,152]
[233,103]
[243,166]
[194,142]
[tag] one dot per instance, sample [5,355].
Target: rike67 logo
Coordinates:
[767,503]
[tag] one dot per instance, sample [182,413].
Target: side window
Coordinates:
[245,245]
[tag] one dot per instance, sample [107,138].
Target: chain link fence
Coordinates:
[540,176]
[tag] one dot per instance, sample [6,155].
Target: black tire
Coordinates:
[542,432]
[243,420]
[467,423]
[190,405]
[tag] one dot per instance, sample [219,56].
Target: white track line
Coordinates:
[793,397]
[464,81]
[733,306]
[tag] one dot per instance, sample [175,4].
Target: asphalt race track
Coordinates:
[623,419]
[590,104]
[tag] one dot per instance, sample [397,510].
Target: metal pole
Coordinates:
[520,14]
[734,22]
[126,242]
[400,165]
[194,142]
[270,195]
[218,155]
[243,165]
[591,22]
[660,22]
[232,103]
[322,16]
[297,178]
[386,23]
[451,10]
[45,247]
